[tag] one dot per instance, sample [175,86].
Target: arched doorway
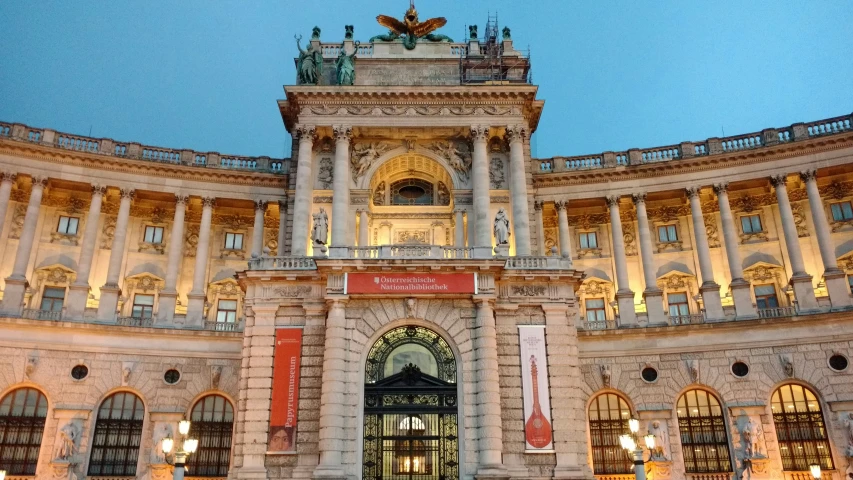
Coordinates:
[410,407]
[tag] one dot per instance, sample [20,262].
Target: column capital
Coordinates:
[99,190]
[343,133]
[208,201]
[537,205]
[261,204]
[282,205]
[516,133]
[639,198]
[721,187]
[305,133]
[181,199]
[126,192]
[561,205]
[6,176]
[39,180]
[479,133]
[780,180]
[692,191]
[612,200]
[809,175]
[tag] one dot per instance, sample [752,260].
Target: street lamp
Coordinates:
[2,474]
[814,468]
[629,443]
[189,446]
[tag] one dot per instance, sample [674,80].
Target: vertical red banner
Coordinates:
[285,390]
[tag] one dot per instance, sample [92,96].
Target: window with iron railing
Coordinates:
[22,416]
[702,428]
[765,296]
[212,421]
[226,311]
[800,428]
[118,434]
[52,299]
[143,306]
[595,310]
[677,303]
[608,419]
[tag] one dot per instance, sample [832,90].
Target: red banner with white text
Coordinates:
[410,283]
[285,390]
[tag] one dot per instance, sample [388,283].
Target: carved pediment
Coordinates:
[145,282]
[55,274]
[596,286]
[225,287]
[762,272]
[845,262]
[675,280]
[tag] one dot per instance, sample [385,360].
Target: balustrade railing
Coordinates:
[135,321]
[661,154]
[709,476]
[81,144]
[238,162]
[599,325]
[742,142]
[282,263]
[615,477]
[829,126]
[364,252]
[224,326]
[580,163]
[36,314]
[161,155]
[458,252]
[691,319]
[777,312]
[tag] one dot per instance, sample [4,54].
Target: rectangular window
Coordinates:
[227,311]
[765,296]
[143,306]
[850,281]
[751,224]
[68,225]
[153,234]
[589,240]
[595,310]
[678,304]
[667,234]
[52,299]
[841,211]
[234,241]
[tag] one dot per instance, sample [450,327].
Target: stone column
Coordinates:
[340,198]
[16,284]
[518,188]
[652,294]
[111,291]
[740,288]
[540,226]
[197,297]
[459,230]
[709,289]
[800,280]
[490,432]
[624,295]
[333,392]
[567,402]
[480,180]
[835,278]
[7,179]
[78,292]
[563,224]
[304,189]
[258,228]
[282,227]
[168,297]
[363,229]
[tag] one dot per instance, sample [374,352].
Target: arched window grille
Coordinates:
[800,428]
[118,431]
[212,420]
[704,441]
[608,418]
[412,191]
[22,414]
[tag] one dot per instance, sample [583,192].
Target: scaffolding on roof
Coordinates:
[491,64]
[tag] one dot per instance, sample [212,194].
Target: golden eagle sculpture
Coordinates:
[411,29]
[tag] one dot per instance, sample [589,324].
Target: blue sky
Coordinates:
[614,74]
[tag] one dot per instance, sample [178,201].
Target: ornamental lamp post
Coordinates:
[813,468]
[629,443]
[189,446]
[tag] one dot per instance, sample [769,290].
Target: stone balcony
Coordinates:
[49,316]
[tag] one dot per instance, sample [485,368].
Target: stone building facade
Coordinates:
[702,288]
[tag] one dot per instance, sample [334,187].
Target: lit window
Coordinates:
[765,296]
[704,441]
[52,299]
[22,415]
[751,224]
[800,429]
[595,310]
[227,311]
[233,241]
[678,304]
[589,240]
[411,191]
[143,306]
[68,225]
[841,211]
[608,418]
[153,234]
[667,234]
[118,435]
[212,421]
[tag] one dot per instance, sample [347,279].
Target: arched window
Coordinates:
[608,418]
[212,421]
[800,428]
[704,441]
[118,430]
[411,191]
[22,414]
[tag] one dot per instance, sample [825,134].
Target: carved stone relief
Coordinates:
[457,154]
[363,156]
[325,173]
[191,240]
[412,236]
[528,290]
[18,221]
[800,219]
[629,238]
[712,231]
[497,178]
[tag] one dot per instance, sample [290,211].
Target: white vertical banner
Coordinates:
[538,437]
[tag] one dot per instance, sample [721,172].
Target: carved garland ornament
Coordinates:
[528,290]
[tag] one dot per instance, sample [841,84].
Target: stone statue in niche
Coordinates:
[443,194]
[320,231]
[379,194]
[345,66]
[751,433]
[161,432]
[411,304]
[661,450]
[215,375]
[66,445]
[309,67]
[787,364]
[605,376]
[325,173]
[501,228]
[496,174]
[848,424]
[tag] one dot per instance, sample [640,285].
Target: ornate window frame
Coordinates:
[675,246]
[51,276]
[67,238]
[596,287]
[144,283]
[158,248]
[838,225]
[675,281]
[763,273]
[588,252]
[225,289]
[238,253]
[753,237]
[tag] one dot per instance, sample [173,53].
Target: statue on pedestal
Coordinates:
[501,228]
[65,448]
[309,67]
[320,231]
[346,66]
[751,433]
[411,29]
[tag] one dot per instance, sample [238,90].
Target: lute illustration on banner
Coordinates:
[537,429]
